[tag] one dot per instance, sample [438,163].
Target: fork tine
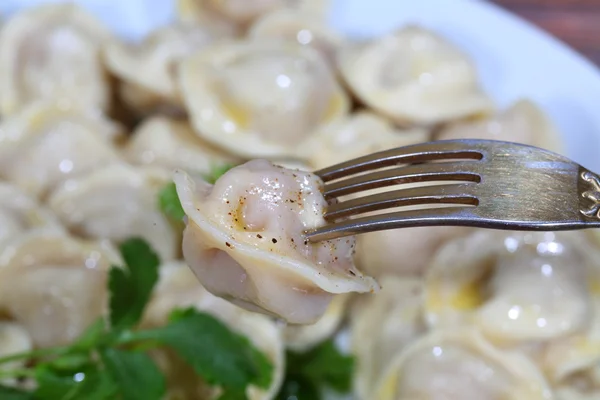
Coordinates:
[444,194]
[451,171]
[430,151]
[457,216]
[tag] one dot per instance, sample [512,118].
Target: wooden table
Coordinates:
[576,22]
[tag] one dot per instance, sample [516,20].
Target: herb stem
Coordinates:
[16,373]
[39,353]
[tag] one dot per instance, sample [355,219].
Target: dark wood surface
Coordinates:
[576,22]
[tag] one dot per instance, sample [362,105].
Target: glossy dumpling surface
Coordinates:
[513,286]
[245,241]
[45,144]
[260,98]
[414,76]
[52,52]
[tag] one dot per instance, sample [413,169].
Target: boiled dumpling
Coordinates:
[301,338]
[305,28]
[512,286]
[523,122]
[19,213]
[45,144]
[358,135]
[403,252]
[172,144]
[582,386]
[52,52]
[179,288]
[260,99]
[414,76]
[241,12]
[382,325]
[118,202]
[245,242]
[14,339]
[54,285]
[459,364]
[148,68]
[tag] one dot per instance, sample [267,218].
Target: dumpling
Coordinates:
[460,364]
[305,28]
[414,76]
[523,122]
[19,213]
[245,242]
[148,68]
[178,288]
[14,339]
[357,135]
[260,98]
[172,144]
[52,52]
[382,325]
[301,338]
[241,12]
[513,286]
[118,202]
[54,285]
[45,144]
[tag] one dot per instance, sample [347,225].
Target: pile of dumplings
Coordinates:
[92,128]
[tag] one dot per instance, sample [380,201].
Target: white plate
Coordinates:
[515,59]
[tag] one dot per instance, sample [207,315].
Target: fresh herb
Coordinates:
[216,172]
[308,373]
[108,360]
[169,203]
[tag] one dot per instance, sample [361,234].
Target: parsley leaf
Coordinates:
[220,356]
[216,172]
[130,287]
[55,382]
[9,393]
[136,374]
[169,204]
[323,366]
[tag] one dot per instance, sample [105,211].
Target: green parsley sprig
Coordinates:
[109,361]
[309,374]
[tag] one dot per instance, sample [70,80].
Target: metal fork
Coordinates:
[497,185]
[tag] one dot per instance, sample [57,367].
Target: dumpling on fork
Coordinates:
[245,242]
[260,98]
[414,76]
[52,52]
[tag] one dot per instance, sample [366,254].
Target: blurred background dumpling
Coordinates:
[172,144]
[147,69]
[414,76]
[54,284]
[53,51]
[522,122]
[46,143]
[303,27]
[118,202]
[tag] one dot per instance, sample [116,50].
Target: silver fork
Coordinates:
[498,185]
